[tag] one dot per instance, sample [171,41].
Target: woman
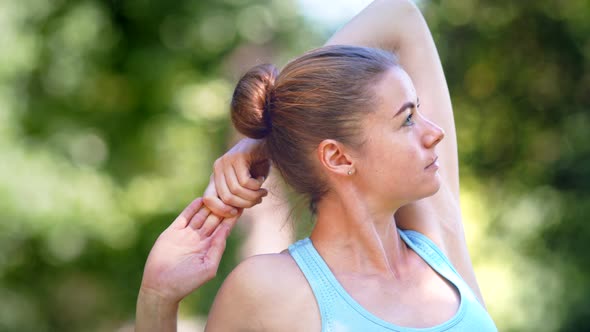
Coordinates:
[357,131]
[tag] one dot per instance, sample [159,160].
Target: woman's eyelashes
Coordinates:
[409,122]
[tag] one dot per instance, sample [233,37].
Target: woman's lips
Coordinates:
[433,164]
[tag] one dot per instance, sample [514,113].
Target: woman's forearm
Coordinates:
[386,24]
[154,313]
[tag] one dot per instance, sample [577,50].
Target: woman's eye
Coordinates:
[409,121]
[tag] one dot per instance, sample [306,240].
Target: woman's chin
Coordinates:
[432,188]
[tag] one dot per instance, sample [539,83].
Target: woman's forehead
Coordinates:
[396,88]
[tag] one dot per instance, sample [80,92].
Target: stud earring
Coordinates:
[350,172]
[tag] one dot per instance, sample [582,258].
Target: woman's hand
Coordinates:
[237,179]
[186,254]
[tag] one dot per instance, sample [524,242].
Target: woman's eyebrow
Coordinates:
[405,106]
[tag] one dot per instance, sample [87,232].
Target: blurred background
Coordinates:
[112,113]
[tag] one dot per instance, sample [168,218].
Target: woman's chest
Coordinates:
[425,300]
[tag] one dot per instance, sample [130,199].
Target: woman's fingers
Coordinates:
[209,225]
[223,191]
[243,175]
[199,218]
[260,169]
[212,223]
[231,185]
[219,240]
[215,204]
[205,222]
[237,189]
[187,214]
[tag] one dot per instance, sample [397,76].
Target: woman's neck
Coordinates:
[356,238]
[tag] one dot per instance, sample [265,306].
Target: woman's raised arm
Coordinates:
[398,26]
[185,256]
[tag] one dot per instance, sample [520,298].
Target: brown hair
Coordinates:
[321,95]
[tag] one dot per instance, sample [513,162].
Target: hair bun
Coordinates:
[251,102]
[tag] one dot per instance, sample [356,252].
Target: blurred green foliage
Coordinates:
[112,112]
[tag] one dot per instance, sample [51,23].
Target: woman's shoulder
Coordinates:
[268,273]
[253,266]
[265,292]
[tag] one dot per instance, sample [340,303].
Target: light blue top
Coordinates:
[340,312]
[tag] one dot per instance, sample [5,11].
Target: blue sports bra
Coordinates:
[340,312]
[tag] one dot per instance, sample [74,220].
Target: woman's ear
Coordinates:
[334,157]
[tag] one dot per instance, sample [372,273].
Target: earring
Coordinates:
[350,172]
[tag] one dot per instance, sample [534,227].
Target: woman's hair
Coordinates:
[320,95]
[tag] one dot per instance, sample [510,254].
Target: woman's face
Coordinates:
[395,163]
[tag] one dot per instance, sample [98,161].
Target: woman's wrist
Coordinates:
[155,312]
[259,163]
[154,296]
[254,145]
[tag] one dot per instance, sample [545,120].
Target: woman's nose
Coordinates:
[433,135]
